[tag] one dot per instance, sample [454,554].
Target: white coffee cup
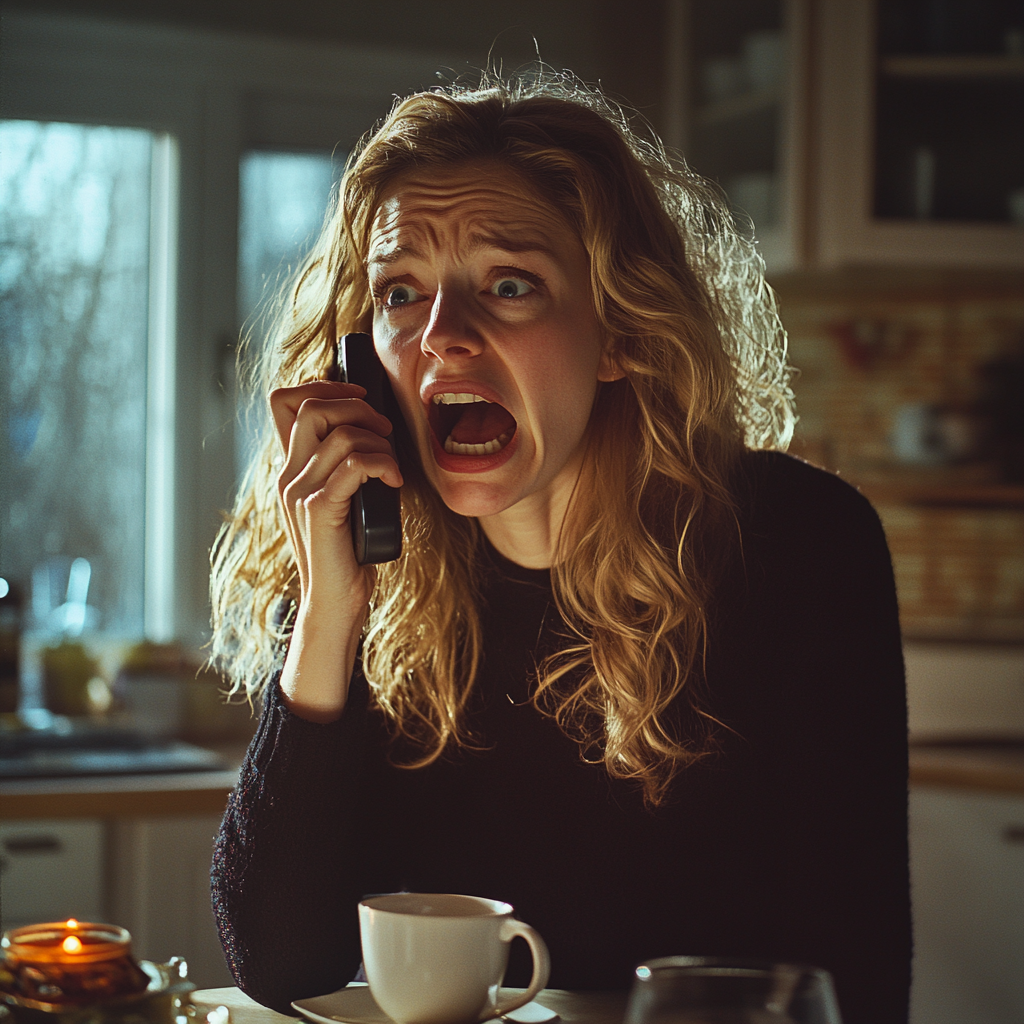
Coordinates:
[440,959]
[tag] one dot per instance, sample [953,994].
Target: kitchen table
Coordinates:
[572,1007]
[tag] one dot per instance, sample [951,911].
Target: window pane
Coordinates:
[74,283]
[283,199]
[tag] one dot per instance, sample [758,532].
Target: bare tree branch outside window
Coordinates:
[74,272]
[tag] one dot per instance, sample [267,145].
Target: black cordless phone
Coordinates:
[376,508]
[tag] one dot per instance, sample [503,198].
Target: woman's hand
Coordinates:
[333,442]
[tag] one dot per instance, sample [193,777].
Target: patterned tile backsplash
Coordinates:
[959,571]
[895,392]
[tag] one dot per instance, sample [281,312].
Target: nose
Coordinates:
[450,331]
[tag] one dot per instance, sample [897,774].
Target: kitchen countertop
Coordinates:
[117,796]
[996,768]
[992,768]
[183,794]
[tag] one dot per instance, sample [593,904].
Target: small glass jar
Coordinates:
[69,963]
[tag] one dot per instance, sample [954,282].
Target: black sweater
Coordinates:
[789,844]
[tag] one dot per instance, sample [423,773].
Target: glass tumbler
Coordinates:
[709,990]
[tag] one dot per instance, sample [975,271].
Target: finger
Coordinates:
[327,486]
[299,479]
[317,419]
[286,402]
[322,521]
[328,506]
[309,470]
[364,466]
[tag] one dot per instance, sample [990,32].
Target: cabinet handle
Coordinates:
[33,844]
[1013,834]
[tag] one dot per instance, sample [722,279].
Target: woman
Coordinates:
[635,672]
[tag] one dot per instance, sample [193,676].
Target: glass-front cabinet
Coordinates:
[869,132]
[949,112]
[919,145]
[741,76]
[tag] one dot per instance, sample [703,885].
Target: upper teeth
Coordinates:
[463,398]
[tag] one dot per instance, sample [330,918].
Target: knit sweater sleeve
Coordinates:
[290,861]
[837,745]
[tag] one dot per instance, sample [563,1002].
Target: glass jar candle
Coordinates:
[69,963]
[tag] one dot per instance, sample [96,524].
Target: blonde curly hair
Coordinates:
[681,293]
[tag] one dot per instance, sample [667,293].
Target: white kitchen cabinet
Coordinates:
[149,875]
[50,871]
[160,868]
[967,869]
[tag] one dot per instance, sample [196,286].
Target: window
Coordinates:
[283,197]
[282,201]
[130,468]
[81,257]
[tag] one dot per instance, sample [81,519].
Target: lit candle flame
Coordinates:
[70,923]
[72,944]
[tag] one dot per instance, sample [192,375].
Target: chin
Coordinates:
[474,499]
[474,486]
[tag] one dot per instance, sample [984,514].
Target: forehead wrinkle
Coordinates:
[512,245]
[385,259]
[445,191]
[465,216]
[481,232]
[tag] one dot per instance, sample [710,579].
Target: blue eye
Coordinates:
[401,295]
[510,288]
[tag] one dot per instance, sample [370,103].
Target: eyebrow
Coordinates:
[514,246]
[385,259]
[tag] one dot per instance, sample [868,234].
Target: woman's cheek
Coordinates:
[399,360]
[387,343]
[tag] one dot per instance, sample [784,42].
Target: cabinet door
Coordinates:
[846,230]
[736,92]
[50,871]
[160,882]
[967,867]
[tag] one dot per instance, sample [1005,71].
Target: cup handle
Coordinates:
[510,928]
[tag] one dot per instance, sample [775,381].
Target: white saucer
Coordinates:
[355,1005]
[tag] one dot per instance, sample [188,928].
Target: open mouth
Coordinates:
[467,424]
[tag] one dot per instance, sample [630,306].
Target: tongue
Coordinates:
[482,422]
